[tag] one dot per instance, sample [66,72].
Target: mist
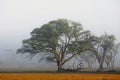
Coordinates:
[19,17]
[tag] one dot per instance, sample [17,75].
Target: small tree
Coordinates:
[89,58]
[55,40]
[104,44]
[108,59]
[113,53]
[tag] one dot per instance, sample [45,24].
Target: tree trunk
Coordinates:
[101,64]
[59,68]
[102,59]
[89,65]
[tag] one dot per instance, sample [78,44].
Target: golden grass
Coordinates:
[57,76]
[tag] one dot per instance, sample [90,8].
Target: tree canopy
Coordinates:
[57,39]
[60,40]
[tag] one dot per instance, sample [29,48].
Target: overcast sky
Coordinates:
[19,17]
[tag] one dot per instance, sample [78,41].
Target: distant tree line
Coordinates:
[61,40]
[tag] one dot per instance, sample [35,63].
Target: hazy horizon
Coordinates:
[19,17]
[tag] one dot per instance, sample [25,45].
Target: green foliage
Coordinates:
[61,37]
[60,34]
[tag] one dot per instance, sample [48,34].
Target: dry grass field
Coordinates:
[57,76]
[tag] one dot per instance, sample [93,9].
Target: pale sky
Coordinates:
[19,17]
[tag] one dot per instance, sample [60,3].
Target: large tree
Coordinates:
[59,41]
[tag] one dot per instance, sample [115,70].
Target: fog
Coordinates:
[19,17]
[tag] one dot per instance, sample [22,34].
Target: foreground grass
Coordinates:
[58,76]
